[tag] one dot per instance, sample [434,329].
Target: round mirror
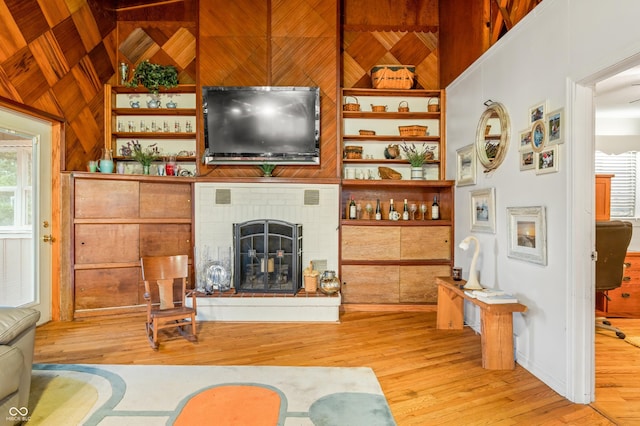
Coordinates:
[492,136]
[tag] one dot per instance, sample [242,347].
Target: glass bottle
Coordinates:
[378,210]
[405,210]
[353,211]
[435,209]
[393,214]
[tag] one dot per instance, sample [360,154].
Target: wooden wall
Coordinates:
[55,56]
[280,43]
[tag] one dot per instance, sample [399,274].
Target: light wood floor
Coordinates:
[429,377]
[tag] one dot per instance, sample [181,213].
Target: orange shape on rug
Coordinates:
[232,405]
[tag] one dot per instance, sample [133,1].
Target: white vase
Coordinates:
[416,173]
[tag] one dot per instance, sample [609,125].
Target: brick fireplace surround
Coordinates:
[218,205]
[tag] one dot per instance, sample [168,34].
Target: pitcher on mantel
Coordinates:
[105,164]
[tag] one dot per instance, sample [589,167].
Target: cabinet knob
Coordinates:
[625,295]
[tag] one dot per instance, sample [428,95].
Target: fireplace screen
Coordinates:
[268,256]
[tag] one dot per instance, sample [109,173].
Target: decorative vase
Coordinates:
[145,169]
[416,173]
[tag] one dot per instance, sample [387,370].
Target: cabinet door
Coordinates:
[428,242]
[110,243]
[370,242]
[165,200]
[106,199]
[165,240]
[370,284]
[106,288]
[418,283]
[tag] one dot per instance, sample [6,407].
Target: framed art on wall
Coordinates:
[555,126]
[483,210]
[525,140]
[527,159]
[527,234]
[466,166]
[538,135]
[547,160]
[537,112]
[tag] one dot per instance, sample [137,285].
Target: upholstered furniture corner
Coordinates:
[17,335]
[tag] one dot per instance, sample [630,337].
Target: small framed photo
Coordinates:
[483,210]
[527,234]
[555,126]
[538,136]
[537,112]
[527,160]
[466,166]
[547,160]
[525,140]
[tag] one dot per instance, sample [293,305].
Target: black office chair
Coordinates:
[612,240]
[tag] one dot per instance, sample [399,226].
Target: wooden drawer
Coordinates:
[429,242]
[625,299]
[418,283]
[165,240]
[105,288]
[370,243]
[110,243]
[165,200]
[98,199]
[370,284]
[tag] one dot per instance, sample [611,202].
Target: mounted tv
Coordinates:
[249,125]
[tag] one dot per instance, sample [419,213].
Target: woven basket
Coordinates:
[413,130]
[367,132]
[433,105]
[351,106]
[378,108]
[403,108]
[353,152]
[388,173]
[392,76]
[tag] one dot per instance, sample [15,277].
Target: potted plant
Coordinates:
[144,156]
[267,169]
[153,76]
[416,157]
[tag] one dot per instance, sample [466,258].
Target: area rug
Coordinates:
[77,394]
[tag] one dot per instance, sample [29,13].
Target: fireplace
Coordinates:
[267,256]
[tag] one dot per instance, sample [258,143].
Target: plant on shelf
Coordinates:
[267,169]
[153,76]
[144,156]
[416,157]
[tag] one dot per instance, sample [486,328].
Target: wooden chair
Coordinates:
[166,309]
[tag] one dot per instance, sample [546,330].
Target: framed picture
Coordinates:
[555,126]
[547,160]
[483,210]
[466,171]
[527,234]
[525,140]
[537,112]
[538,136]
[527,160]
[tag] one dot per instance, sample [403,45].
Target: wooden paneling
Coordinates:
[103,288]
[603,197]
[176,195]
[370,284]
[433,242]
[165,240]
[418,283]
[106,199]
[372,243]
[106,243]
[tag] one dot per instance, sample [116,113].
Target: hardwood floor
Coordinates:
[428,376]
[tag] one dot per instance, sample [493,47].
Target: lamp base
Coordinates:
[472,284]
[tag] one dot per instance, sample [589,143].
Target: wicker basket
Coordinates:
[433,105]
[351,106]
[389,173]
[392,76]
[378,108]
[367,132]
[413,130]
[403,106]
[353,152]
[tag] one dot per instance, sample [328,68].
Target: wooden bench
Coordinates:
[496,322]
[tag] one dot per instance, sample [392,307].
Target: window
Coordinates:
[624,167]
[15,185]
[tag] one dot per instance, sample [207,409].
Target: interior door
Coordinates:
[26,263]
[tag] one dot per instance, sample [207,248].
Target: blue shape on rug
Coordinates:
[353,409]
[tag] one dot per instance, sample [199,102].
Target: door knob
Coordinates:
[48,238]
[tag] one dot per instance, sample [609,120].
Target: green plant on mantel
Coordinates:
[154,76]
[267,169]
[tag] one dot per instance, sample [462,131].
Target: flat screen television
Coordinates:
[256,124]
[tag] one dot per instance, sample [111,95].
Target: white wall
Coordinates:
[559,43]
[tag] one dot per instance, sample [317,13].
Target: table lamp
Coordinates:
[472,282]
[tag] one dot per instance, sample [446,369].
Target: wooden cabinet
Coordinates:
[603,197]
[386,125]
[395,262]
[129,117]
[116,220]
[624,300]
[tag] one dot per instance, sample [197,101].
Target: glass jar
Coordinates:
[329,283]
